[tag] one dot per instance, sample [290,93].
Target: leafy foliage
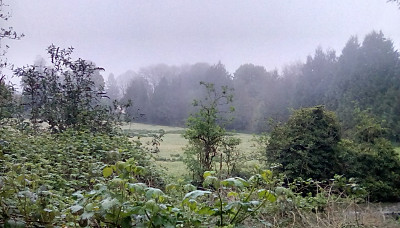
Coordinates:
[309,145]
[39,173]
[80,179]
[6,99]
[124,202]
[306,144]
[206,132]
[371,158]
[65,95]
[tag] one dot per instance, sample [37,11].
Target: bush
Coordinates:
[306,145]
[371,158]
[309,145]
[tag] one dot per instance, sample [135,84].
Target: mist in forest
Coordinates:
[277,56]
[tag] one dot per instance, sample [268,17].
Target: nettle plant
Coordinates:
[122,201]
[231,201]
[40,172]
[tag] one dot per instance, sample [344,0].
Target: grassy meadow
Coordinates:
[173,143]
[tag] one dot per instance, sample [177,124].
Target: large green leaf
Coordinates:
[267,175]
[109,203]
[211,180]
[266,194]
[87,215]
[206,211]
[152,206]
[189,187]
[230,205]
[107,171]
[76,209]
[137,187]
[208,173]
[196,193]
[235,182]
[153,193]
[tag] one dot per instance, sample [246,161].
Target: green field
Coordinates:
[171,147]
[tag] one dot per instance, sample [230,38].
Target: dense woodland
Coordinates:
[364,75]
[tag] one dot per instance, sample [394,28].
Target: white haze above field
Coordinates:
[124,35]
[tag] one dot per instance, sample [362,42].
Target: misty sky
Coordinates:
[126,34]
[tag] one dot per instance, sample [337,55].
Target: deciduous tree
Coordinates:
[65,94]
[205,131]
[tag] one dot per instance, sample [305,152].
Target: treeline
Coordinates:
[365,76]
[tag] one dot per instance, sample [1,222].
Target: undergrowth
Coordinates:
[83,179]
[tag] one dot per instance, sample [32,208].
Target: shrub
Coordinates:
[306,144]
[206,134]
[371,158]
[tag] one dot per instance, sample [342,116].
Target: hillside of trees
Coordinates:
[365,75]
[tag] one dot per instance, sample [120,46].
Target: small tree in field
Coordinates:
[206,132]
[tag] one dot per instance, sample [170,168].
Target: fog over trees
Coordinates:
[364,75]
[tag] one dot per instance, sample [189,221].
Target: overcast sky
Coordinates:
[127,34]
